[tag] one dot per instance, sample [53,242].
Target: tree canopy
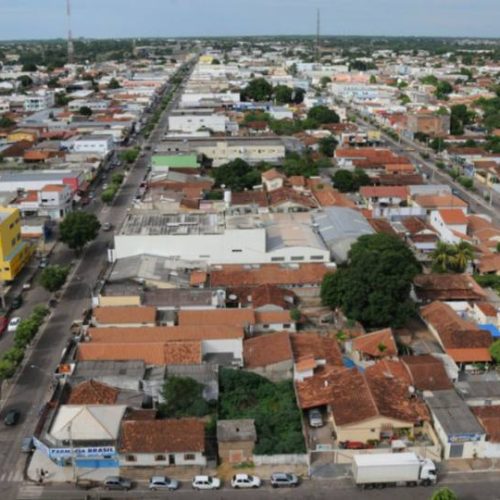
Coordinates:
[183,398]
[53,277]
[449,258]
[236,175]
[258,89]
[323,114]
[346,181]
[78,228]
[114,84]
[374,286]
[444,494]
[495,351]
[327,145]
[272,406]
[85,111]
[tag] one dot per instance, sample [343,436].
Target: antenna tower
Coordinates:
[318,25]
[71,48]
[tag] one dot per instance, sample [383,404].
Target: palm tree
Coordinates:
[464,253]
[443,257]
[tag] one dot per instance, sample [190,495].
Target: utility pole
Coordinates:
[71,48]
[318,26]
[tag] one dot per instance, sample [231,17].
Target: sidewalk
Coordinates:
[470,465]
[58,474]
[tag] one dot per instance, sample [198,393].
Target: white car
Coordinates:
[206,483]
[245,481]
[13,324]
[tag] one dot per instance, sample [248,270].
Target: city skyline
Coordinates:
[26,19]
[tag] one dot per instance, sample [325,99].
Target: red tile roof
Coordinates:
[116,315]
[427,372]
[272,317]
[440,201]
[92,392]
[267,350]
[310,344]
[208,317]
[447,287]
[162,436]
[489,418]
[384,192]
[377,344]
[470,355]
[453,216]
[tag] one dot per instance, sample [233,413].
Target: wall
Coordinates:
[148,459]
[125,300]
[234,346]
[236,452]
[297,459]
[275,372]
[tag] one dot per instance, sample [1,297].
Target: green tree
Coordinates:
[85,111]
[129,155]
[258,89]
[346,181]
[429,80]
[444,494]
[495,351]
[114,84]
[183,398]
[215,61]
[29,67]
[236,175]
[53,277]
[108,195]
[452,258]
[373,79]
[25,81]
[61,99]
[443,88]
[438,144]
[325,80]
[323,114]
[283,94]
[373,287]
[327,145]
[6,122]
[78,228]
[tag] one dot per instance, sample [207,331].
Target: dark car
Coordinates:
[117,483]
[11,417]
[17,302]
[284,479]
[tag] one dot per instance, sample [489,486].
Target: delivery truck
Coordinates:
[377,470]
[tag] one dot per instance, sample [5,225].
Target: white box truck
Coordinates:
[377,470]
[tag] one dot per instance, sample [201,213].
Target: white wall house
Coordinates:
[102,144]
[450,231]
[39,101]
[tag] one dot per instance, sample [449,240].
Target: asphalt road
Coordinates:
[478,486]
[31,388]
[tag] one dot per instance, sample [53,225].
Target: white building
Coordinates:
[192,121]
[218,239]
[194,99]
[39,102]
[94,143]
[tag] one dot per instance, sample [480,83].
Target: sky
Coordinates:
[28,19]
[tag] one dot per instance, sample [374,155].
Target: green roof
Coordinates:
[174,161]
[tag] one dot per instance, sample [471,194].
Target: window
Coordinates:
[297,258]
[277,259]
[265,326]
[317,257]
[160,458]
[131,458]
[287,325]
[189,456]
[204,256]
[13,241]
[236,250]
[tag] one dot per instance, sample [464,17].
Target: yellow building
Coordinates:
[206,59]
[14,252]
[23,135]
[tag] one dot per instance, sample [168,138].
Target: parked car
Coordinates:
[107,226]
[27,445]
[245,481]
[163,483]
[117,483]
[17,302]
[315,418]
[206,483]
[4,323]
[26,286]
[284,479]
[12,417]
[105,186]
[43,262]
[13,324]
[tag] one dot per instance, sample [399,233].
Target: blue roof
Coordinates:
[495,332]
[348,363]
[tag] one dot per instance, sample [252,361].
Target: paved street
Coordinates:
[478,486]
[32,384]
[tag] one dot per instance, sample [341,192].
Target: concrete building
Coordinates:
[192,121]
[218,239]
[429,123]
[14,253]
[39,101]
[94,143]
[458,430]
[236,440]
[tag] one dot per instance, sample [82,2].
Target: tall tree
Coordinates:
[78,228]
[323,114]
[374,286]
[259,89]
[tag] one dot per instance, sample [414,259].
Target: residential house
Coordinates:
[427,372]
[489,418]
[272,179]
[374,345]
[432,202]
[447,287]
[384,196]
[462,340]
[168,442]
[124,316]
[451,224]
[269,355]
